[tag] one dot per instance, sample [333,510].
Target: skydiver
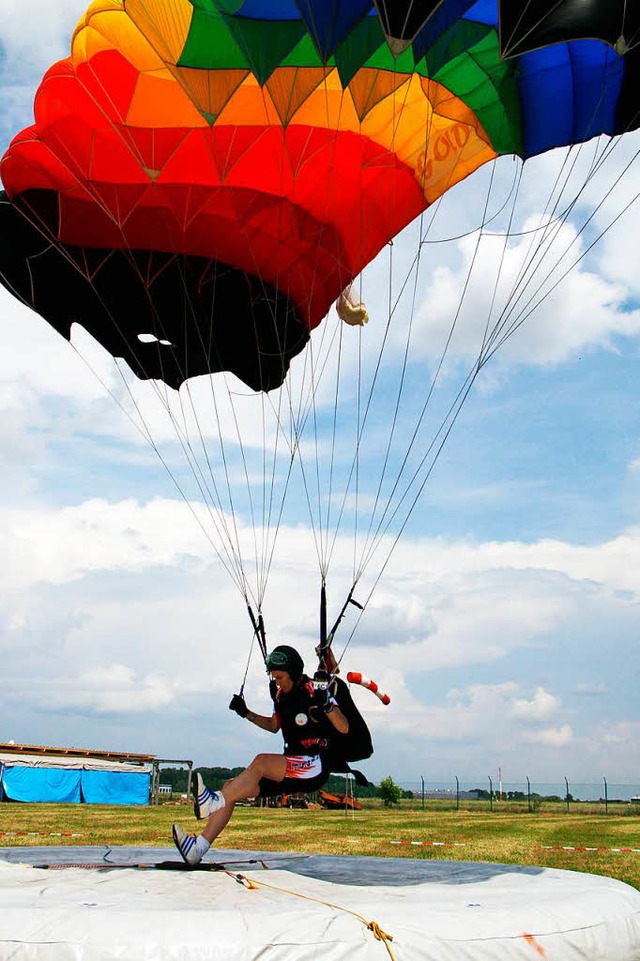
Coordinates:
[308,716]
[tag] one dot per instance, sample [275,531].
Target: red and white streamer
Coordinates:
[354,677]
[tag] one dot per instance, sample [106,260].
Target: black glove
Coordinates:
[238,705]
[320,690]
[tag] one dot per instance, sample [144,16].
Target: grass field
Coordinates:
[466,835]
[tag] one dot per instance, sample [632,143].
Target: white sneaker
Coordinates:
[186,845]
[205,802]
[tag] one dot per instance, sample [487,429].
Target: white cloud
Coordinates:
[556,737]
[112,688]
[34,37]
[591,689]
[59,546]
[625,734]
[585,312]
[541,706]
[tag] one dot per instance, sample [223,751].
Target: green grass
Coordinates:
[473,834]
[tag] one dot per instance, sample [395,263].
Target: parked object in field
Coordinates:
[339,801]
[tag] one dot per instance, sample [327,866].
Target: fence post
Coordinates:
[457,793]
[490,794]
[422,779]
[567,794]
[606,796]
[529,795]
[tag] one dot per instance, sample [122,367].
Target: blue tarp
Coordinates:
[115,787]
[61,785]
[74,785]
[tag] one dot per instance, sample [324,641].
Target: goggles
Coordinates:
[277,659]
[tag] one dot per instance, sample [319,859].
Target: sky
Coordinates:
[503,623]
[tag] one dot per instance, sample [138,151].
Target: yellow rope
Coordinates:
[372,926]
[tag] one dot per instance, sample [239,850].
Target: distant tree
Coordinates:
[480,793]
[337,785]
[389,791]
[214,777]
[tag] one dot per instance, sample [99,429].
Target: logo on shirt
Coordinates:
[301,719]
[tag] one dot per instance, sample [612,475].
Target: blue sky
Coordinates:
[506,624]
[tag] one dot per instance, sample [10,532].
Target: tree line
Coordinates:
[214,777]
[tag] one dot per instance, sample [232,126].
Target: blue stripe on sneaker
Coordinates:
[188,843]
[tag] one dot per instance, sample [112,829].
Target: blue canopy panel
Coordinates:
[115,787]
[569,93]
[59,785]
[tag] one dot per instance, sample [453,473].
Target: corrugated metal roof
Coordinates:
[44,751]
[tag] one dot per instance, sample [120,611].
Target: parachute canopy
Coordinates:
[204,177]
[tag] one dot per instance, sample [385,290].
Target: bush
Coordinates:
[389,791]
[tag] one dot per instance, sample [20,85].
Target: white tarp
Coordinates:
[78,763]
[454,915]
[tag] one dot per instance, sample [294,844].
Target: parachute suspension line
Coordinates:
[567,270]
[354,472]
[318,483]
[486,336]
[316,527]
[230,529]
[211,499]
[362,414]
[263,553]
[486,351]
[391,310]
[320,509]
[359,435]
[595,166]
[436,445]
[324,533]
[362,417]
[268,497]
[509,323]
[445,430]
[389,513]
[149,439]
[539,245]
[163,399]
[454,412]
[415,267]
[231,544]
[334,433]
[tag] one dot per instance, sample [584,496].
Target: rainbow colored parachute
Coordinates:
[204,177]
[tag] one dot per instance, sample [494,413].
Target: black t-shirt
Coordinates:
[306,730]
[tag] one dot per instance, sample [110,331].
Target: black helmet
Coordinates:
[285,658]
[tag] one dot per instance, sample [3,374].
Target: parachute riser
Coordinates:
[261,637]
[326,660]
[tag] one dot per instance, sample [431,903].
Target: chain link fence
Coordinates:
[529,795]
